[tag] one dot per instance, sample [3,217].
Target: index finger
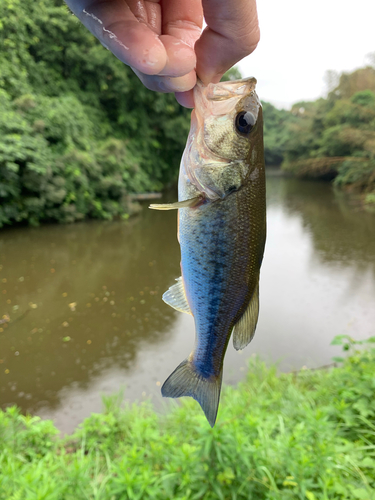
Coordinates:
[116,27]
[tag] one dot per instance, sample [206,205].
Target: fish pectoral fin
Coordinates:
[193,202]
[186,381]
[244,329]
[175,297]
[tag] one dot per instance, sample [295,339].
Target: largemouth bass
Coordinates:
[222,232]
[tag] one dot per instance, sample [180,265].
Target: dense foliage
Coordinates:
[78,132]
[303,436]
[276,133]
[336,136]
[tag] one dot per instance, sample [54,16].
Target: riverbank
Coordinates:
[334,137]
[307,435]
[353,175]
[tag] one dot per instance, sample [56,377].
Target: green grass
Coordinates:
[307,435]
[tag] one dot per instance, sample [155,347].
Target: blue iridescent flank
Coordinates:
[210,269]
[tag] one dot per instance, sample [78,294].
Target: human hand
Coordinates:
[162,40]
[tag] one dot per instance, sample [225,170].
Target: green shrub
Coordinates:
[358,173]
[78,131]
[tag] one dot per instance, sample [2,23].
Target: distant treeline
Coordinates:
[79,132]
[334,137]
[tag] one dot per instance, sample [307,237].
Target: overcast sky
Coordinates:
[301,40]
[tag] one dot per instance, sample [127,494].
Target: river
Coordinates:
[87,316]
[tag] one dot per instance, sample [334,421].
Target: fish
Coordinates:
[222,233]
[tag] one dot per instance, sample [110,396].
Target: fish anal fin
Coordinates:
[186,381]
[175,297]
[193,202]
[244,329]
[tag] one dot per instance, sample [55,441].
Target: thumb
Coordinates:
[232,33]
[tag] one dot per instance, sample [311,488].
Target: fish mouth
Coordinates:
[227,90]
[217,98]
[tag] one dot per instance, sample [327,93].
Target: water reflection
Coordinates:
[87,315]
[341,231]
[92,297]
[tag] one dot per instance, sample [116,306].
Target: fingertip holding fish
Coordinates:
[185,99]
[176,83]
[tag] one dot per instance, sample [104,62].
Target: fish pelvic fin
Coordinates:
[244,329]
[186,381]
[193,202]
[175,297]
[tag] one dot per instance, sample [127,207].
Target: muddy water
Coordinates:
[87,316]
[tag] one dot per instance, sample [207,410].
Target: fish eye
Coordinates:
[245,121]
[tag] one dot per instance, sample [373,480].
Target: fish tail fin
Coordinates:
[186,381]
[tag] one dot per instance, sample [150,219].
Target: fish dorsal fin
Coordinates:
[175,297]
[179,204]
[244,329]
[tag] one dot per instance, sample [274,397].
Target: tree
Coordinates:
[78,130]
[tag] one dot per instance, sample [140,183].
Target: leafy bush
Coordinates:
[78,132]
[341,126]
[359,174]
[275,122]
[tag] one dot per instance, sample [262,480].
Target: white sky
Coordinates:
[301,40]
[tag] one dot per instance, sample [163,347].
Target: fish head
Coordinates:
[225,144]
